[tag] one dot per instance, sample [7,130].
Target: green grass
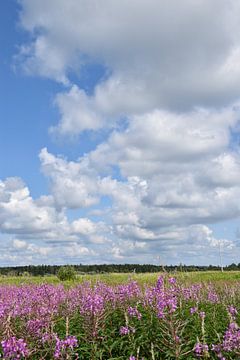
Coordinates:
[121,278]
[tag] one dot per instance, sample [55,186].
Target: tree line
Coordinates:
[41,270]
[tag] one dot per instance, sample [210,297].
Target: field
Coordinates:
[121,316]
[122,278]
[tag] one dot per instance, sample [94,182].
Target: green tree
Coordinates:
[66,273]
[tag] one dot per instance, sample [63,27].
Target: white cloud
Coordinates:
[77,112]
[168,138]
[194,244]
[169,206]
[19,213]
[29,248]
[187,172]
[72,183]
[76,250]
[157,55]
[19,244]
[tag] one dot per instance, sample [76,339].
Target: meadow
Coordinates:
[121,316]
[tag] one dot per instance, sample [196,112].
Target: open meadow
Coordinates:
[121,316]
[122,278]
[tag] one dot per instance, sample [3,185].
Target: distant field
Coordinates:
[121,278]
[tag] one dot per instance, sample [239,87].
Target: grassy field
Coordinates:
[122,278]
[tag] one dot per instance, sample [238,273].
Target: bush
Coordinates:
[25,274]
[66,273]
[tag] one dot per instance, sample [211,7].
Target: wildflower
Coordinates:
[125,330]
[36,326]
[14,348]
[231,339]
[133,312]
[218,350]
[232,310]
[213,297]
[172,280]
[62,346]
[160,282]
[202,315]
[193,310]
[177,339]
[48,338]
[200,349]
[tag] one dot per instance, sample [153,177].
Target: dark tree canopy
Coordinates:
[41,270]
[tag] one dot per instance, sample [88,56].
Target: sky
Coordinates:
[119,132]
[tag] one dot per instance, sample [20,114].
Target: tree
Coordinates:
[66,273]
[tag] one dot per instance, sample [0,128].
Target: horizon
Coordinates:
[176,267]
[119,132]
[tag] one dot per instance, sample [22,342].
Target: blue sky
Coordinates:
[27,108]
[119,132]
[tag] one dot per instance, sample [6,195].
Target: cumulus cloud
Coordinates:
[164,209]
[78,112]
[21,245]
[73,184]
[187,170]
[170,138]
[31,223]
[157,55]
[18,211]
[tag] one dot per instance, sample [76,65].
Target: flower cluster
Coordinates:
[133,312]
[14,348]
[62,346]
[125,330]
[201,349]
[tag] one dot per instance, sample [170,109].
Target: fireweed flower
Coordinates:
[125,330]
[47,338]
[62,346]
[36,326]
[177,339]
[230,343]
[193,310]
[213,297]
[202,314]
[128,291]
[14,348]
[133,312]
[160,283]
[172,280]
[231,339]
[200,349]
[232,310]
[218,350]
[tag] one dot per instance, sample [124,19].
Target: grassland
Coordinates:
[122,278]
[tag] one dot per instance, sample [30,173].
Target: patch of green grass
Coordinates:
[122,278]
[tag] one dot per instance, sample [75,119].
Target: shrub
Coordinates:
[66,273]
[25,274]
